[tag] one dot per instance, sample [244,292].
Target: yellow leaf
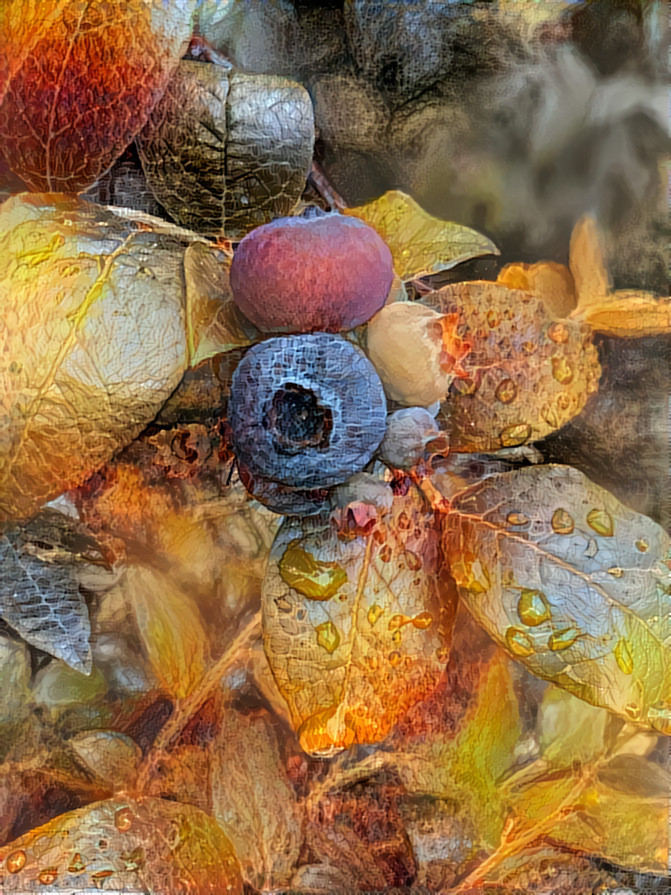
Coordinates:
[628,314]
[587,262]
[420,243]
[213,322]
[92,331]
[171,629]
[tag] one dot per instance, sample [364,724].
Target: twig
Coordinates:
[186,708]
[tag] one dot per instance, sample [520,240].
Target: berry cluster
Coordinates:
[308,408]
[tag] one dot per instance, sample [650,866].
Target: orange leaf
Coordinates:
[587,262]
[551,282]
[628,314]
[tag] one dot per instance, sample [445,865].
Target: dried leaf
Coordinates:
[144,845]
[40,599]
[91,318]
[253,800]
[171,628]
[114,61]
[587,262]
[549,281]
[225,152]
[636,776]
[628,314]
[526,375]
[355,630]
[214,323]
[570,582]
[420,244]
[112,756]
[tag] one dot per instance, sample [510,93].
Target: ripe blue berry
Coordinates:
[306,411]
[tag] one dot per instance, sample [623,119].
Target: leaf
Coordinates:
[355,630]
[225,152]
[420,244]
[171,629]
[124,844]
[91,311]
[549,281]
[526,375]
[214,323]
[570,730]
[113,61]
[571,583]
[628,314]
[587,262]
[42,602]
[111,756]
[253,800]
[637,776]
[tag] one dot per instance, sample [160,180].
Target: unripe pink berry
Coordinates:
[326,273]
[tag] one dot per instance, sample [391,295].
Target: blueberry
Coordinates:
[280,498]
[306,411]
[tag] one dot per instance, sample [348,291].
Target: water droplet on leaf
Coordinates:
[533,608]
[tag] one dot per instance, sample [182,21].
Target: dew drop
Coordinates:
[563,401]
[493,319]
[517,519]
[372,662]
[397,621]
[328,636]
[16,861]
[123,820]
[385,553]
[396,637]
[76,864]
[562,370]
[558,332]
[518,642]
[374,612]
[616,571]
[601,522]
[563,639]
[562,522]
[463,387]
[48,876]
[623,656]
[642,545]
[394,658]
[422,620]
[101,874]
[533,608]
[506,391]
[512,436]
[311,577]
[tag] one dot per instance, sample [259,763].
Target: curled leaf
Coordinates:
[123,844]
[526,374]
[225,152]
[420,244]
[366,637]
[171,629]
[92,324]
[571,583]
[114,60]
[253,801]
[628,314]
[587,262]
[551,282]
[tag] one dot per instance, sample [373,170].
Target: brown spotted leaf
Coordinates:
[355,628]
[571,583]
[526,374]
[225,152]
[125,845]
[93,334]
[78,79]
